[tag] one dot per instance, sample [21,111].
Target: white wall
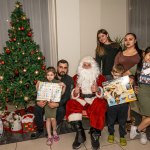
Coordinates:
[89,24]
[78,22]
[68,32]
[114,17]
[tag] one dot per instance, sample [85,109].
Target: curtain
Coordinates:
[42,20]
[139,21]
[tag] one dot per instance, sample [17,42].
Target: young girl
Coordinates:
[144,103]
[51,107]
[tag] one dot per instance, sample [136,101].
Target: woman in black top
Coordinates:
[106,51]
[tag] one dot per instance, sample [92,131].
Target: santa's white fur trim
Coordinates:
[75,117]
[101,91]
[72,95]
[81,101]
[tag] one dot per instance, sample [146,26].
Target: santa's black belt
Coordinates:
[87,95]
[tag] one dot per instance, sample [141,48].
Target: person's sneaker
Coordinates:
[123,141]
[110,139]
[133,132]
[143,138]
[37,134]
[49,141]
[56,138]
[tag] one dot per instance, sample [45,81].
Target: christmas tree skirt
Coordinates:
[63,128]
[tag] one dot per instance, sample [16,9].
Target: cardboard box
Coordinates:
[49,91]
[118,91]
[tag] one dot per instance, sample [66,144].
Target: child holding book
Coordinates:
[143,99]
[117,112]
[51,107]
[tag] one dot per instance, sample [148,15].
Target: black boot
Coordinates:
[95,134]
[80,134]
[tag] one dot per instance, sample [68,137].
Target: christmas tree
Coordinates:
[21,63]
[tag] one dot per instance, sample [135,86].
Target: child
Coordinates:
[144,104]
[51,107]
[117,112]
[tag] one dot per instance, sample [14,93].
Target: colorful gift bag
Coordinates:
[28,123]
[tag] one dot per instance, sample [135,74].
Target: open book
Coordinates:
[118,91]
[145,74]
[49,91]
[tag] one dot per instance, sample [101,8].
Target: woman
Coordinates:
[143,99]
[129,58]
[106,51]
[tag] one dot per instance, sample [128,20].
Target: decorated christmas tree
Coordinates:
[21,63]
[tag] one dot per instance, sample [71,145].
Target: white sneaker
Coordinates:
[143,138]
[133,132]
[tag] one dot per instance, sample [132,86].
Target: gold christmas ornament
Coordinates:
[26,98]
[24,70]
[1,78]
[23,17]
[39,58]
[36,72]
[20,81]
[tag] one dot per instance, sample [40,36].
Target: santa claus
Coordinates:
[87,95]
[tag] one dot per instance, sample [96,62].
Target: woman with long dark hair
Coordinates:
[106,51]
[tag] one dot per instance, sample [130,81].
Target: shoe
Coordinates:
[123,141]
[95,135]
[143,138]
[133,132]
[56,138]
[49,141]
[128,125]
[37,134]
[110,139]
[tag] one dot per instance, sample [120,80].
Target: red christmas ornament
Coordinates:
[27,86]
[43,57]
[7,51]
[14,39]
[6,99]
[16,73]
[2,62]
[32,52]
[22,28]
[35,81]
[43,67]
[29,34]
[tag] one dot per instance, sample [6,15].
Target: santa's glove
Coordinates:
[100,92]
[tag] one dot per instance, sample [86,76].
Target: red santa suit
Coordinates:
[93,103]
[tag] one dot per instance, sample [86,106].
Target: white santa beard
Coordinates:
[86,79]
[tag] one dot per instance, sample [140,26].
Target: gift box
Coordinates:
[28,123]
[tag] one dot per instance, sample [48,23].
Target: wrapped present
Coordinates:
[4,117]
[28,123]
[15,123]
